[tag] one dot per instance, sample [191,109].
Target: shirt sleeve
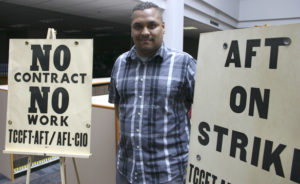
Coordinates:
[114,96]
[190,81]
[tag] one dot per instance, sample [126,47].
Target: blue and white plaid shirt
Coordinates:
[154,98]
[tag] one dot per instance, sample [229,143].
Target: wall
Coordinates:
[229,7]
[273,12]
[101,166]
[231,14]
[5,166]
[206,11]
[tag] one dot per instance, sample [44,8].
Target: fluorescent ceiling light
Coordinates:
[103,28]
[19,25]
[50,20]
[72,31]
[189,28]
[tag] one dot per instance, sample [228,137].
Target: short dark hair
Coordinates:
[146,5]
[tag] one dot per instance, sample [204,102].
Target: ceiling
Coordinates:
[110,10]
[92,18]
[15,18]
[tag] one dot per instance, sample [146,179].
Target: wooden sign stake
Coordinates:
[29,163]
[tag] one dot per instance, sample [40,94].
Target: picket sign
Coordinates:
[51,34]
[246,110]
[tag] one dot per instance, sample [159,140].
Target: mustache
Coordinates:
[146,38]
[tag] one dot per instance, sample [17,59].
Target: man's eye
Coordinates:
[152,26]
[137,26]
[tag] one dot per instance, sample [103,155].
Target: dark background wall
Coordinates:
[110,39]
[106,48]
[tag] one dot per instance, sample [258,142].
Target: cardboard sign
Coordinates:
[246,112]
[49,97]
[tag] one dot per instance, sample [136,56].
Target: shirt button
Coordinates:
[139,113]
[142,79]
[140,96]
[137,130]
[138,147]
[135,178]
[135,173]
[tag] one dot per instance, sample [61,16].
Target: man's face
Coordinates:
[147,29]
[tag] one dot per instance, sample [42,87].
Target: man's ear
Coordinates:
[163,26]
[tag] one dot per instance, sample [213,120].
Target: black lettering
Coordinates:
[16,75]
[295,172]
[24,136]
[15,138]
[46,137]
[64,137]
[255,151]
[36,77]
[250,52]
[54,120]
[69,143]
[214,179]
[59,139]
[204,139]
[270,157]
[73,78]
[233,51]
[65,78]
[206,177]
[85,140]
[241,145]
[196,173]
[82,77]
[29,131]
[10,135]
[238,108]
[77,139]
[202,175]
[191,171]
[32,119]
[20,136]
[26,77]
[54,78]
[36,137]
[63,121]
[46,77]
[64,100]
[41,136]
[66,57]
[221,131]
[37,54]
[274,43]
[41,100]
[44,120]
[52,137]
[261,104]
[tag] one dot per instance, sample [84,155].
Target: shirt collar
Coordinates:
[132,55]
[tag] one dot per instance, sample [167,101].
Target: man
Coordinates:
[152,89]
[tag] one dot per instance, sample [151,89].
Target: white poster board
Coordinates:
[246,112]
[49,97]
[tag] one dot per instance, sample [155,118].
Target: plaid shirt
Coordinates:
[154,98]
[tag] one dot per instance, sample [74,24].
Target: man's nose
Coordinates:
[145,31]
